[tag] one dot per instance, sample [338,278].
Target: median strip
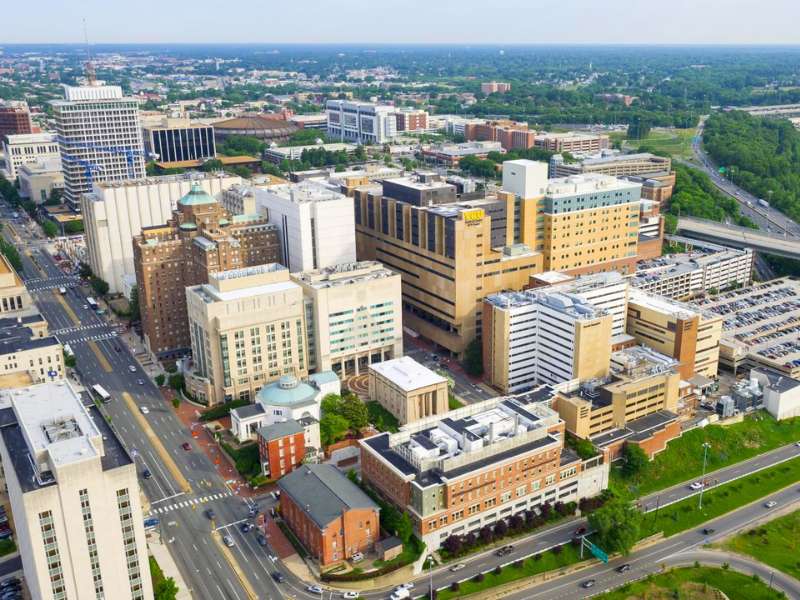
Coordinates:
[157,445]
[67,308]
[101,357]
[226,552]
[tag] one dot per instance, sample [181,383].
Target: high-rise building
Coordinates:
[116,211]
[247,328]
[511,134]
[74,496]
[361,122]
[99,138]
[15,117]
[201,238]
[353,316]
[171,140]
[27,149]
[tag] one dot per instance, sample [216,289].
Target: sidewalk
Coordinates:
[168,566]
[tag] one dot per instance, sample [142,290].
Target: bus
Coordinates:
[102,393]
[92,304]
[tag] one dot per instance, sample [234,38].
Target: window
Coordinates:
[129,540]
[91,544]
[52,555]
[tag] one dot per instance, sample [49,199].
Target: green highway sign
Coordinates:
[598,553]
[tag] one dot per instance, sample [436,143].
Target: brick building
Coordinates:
[281,448]
[411,119]
[328,513]
[201,238]
[14,118]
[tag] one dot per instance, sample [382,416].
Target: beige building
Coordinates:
[353,315]
[689,335]
[28,354]
[247,328]
[14,297]
[610,162]
[38,180]
[74,496]
[407,389]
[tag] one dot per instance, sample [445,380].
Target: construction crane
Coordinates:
[129,153]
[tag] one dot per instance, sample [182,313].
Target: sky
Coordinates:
[404,21]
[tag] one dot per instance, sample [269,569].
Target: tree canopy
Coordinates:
[617,525]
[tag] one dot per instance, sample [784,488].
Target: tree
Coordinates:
[159,379]
[49,228]
[73,227]
[486,534]
[54,199]
[453,545]
[635,460]
[473,359]
[212,164]
[500,528]
[176,382]
[164,588]
[617,525]
[99,286]
[11,253]
[354,410]
[639,128]
[134,304]
[84,270]
[404,529]
[360,153]
[332,428]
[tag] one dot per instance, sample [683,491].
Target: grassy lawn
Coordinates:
[684,515]
[775,543]
[382,418]
[696,583]
[677,142]
[683,458]
[548,561]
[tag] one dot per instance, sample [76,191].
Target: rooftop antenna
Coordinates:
[91,76]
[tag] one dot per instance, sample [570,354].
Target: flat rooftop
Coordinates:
[407,374]
[416,183]
[586,183]
[301,192]
[343,274]
[563,302]
[661,304]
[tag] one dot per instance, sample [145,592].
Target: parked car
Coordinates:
[357,557]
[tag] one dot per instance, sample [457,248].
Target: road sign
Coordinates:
[598,553]
[721,169]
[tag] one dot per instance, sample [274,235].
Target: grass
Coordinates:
[7,546]
[453,402]
[775,543]
[677,142]
[411,552]
[717,501]
[381,418]
[548,561]
[683,458]
[695,583]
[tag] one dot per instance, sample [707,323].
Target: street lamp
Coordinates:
[706,446]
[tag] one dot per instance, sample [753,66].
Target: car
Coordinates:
[623,568]
[457,567]
[407,586]
[357,557]
[145,410]
[350,595]
[245,527]
[85,306]
[146,474]
[507,549]
[151,522]
[252,511]
[140,381]
[770,504]
[228,541]
[314,589]
[210,514]
[708,530]
[588,583]
[797,444]
[132,369]
[186,446]
[697,485]
[580,531]
[261,539]
[278,577]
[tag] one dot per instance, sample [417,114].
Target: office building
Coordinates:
[74,494]
[610,162]
[651,230]
[689,335]
[178,139]
[201,238]
[353,316]
[278,154]
[411,119]
[407,389]
[14,297]
[99,138]
[421,189]
[478,465]
[315,224]
[450,155]
[635,402]
[543,337]
[37,181]
[28,354]
[115,212]
[361,122]
[703,267]
[511,135]
[281,448]
[314,121]
[495,87]
[28,149]
[15,118]
[572,142]
[247,328]
[328,513]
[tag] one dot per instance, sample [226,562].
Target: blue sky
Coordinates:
[413,21]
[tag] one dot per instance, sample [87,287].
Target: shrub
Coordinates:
[454,587]
[159,379]
[498,569]
[479,578]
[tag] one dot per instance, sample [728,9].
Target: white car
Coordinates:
[228,541]
[357,557]
[145,410]
[314,589]
[132,369]
[697,485]
[350,595]
[770,504]
[457,567]
[406,586]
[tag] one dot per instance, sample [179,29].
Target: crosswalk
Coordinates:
[40,284]
[77,329]
[160,510]
[92,338]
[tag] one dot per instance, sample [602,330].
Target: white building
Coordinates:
[781,394]
[361,122]
[74,496]
[117,211]
[99,138]
[28,149]
[316,223]
[353,316]
[38,180]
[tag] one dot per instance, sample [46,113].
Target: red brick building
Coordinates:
[281,448]
[511,134]
[412,120]
[330,515]
[14,118]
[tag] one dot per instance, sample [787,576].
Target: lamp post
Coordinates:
[706,446]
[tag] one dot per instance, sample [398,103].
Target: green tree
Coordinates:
[135,308]
[73,227]
[332,428]
[212,164]
[164,588]
[159,379]
[11,253]
[473,358]
[635,461]
[176,382]
[54,199]
[360,153]
[639,128]
[99,286]
[617,524]
[49,228]
[84,270]
[354,410]
[404,529]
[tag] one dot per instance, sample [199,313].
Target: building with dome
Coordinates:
[199,239]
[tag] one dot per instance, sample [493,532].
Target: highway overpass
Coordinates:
[739,237]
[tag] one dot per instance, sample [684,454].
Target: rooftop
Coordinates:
[17,337]
[279,430]
[407,374]
[586,183]
[664,305]
[301,192]
[343,274]
[30,138]
[567,303]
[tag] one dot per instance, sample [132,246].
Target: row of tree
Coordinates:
[341,415]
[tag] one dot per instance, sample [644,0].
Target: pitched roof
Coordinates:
[324,493]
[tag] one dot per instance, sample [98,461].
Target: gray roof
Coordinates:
[245,412]
[279,430]
[17,337]
[779,382]
[324,493]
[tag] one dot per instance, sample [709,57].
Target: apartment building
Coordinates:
[28,149]
[328,513]
[315,224]
[572,142]
[689,335]
[495,87]
[478,465]
[411,119]
[510,134]
[74,495]
[281,448]
[361,122]
[28,354]
[15,118]
[201,238]
[610,162]
[247,328]
[535,337]
[704,267]
[115,212]
[171,140]
[99,137]
[353,316]
[14,297]
[407,389]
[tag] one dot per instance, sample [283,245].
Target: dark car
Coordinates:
[505,550]
[262,541]
[186,446]
[708,531]
[245,527]
[580,531]
[253,510]
[588,583]
[623,568]
[210,514]
[278,576]
[146,474]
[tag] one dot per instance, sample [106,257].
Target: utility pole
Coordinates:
[706,446]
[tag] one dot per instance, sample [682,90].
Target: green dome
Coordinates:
[188,226]
[223,221]
[287,391]
[196,196]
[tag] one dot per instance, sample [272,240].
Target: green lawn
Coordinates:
[548,561]
[677,142]
[382,418]
[684,515]
[775,543]
[695,583]
[683,458]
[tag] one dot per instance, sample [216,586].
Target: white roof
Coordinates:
[407,373]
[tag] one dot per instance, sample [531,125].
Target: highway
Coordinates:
[739,237]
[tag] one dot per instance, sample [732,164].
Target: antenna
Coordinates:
[91,76]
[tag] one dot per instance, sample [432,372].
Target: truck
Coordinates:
[762,202]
